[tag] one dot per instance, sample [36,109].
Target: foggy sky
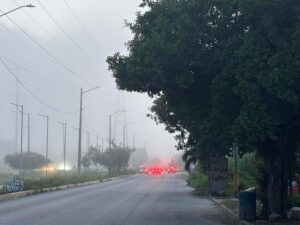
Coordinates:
[60,89]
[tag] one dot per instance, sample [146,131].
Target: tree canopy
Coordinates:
[222,72]
[30,161]
[114,159]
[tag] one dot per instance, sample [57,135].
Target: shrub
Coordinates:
[198,180]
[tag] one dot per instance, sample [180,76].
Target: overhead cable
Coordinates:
[48,53]
[31,93]
[67,35]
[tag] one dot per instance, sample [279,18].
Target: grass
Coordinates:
[37,181]
[199,181]
[294,200]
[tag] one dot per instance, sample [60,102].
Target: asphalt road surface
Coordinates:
[133,200]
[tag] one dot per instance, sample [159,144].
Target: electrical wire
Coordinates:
[67,35]
[31,93]
[48,53]
[39,25]
[80,22]
[31,72]
[19,38]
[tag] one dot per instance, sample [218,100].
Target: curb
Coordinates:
[234,215]
[20,194]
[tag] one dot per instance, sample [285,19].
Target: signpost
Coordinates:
[218,176]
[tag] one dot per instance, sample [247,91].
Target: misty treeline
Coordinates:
[115,159]
[30,161]
[223,74]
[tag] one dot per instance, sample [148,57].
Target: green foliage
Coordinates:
[30,160]
[222,73]
[198,180]
[294,200]
[115,159]
[248,170]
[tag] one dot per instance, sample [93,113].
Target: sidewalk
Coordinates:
[231,206]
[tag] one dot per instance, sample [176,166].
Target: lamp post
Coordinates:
[110,116]
[23,6]
[80,127]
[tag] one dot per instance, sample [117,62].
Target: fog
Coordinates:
[72,57]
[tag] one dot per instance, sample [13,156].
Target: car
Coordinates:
[143,169]
[171,169]
[155,170]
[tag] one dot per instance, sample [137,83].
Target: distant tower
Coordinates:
[120,119]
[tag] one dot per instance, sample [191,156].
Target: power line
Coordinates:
[67,35]
[48,53]
[31,72]
[80,22]
[31,93]
[39,25]
[19,38]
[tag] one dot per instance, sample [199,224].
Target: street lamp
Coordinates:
[80,126]
[23,6]
[110,116]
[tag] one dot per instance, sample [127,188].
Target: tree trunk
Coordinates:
[276,168]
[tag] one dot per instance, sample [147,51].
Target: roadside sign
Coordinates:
[13,186]
[218,176]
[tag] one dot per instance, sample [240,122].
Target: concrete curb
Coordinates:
[20,194]
[232,214]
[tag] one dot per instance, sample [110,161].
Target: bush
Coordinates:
[198,180]
[294,200]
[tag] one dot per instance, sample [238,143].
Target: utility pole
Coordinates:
[47,140]
[79,133]
[21,151]
[80,126]
[28,132]
[64,126]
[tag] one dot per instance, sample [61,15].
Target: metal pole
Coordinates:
[65,144]
[21,155]
[80,131]
[30,6]
[47,144]
[28,132]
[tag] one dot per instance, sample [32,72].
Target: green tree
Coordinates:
[222,73]
[30,161]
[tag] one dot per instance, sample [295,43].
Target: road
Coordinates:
[133,200]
